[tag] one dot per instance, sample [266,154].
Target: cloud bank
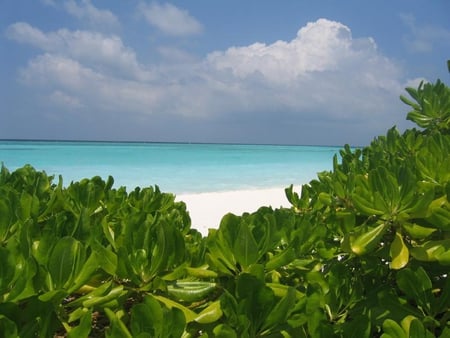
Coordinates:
[322,74]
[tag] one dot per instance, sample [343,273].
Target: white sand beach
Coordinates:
[207,209]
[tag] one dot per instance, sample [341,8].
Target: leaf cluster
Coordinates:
[364,251]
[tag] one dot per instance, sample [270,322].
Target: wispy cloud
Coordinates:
[170,19]
[86,11]
[423,38]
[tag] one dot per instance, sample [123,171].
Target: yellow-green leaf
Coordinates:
[399,252]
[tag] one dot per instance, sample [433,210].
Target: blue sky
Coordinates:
[290,72]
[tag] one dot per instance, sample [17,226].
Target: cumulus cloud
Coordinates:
[107,52]
[322,69]
[87,86]
[170,19]
[85,11]
[322,74]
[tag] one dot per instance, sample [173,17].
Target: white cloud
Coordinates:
[323,74]
[322,69]
[87,87]
[92,15]
[107,52]
[170,19]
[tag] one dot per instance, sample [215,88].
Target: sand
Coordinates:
[207,209]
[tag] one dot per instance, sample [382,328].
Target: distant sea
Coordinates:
[174,167]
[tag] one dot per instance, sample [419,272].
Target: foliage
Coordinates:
[364,251]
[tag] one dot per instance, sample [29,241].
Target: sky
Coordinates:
[322,72]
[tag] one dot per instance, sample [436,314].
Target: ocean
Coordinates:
[175,167]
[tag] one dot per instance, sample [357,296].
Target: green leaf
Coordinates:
[416,231]
[224,331]
[83,329]
[143,320]
[219,255]
[210,314]
[392,330]
[399,252]
[65,261]
[359,327]
[106,258]
[414,328]
[117,328]
[417,286]
[114,293]
[365,206]
[188,313]
[440,217]
[190,291]
[5,220]
[279,314]
[366,239]
[245,247]
[24,286]
[7,269]
[281,259]
[433,251]
[7,327]
[86,273]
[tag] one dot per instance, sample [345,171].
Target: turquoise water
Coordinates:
[177,168]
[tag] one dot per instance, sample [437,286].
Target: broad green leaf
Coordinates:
[106,258]
[53,296]
[190,291]
[224,331]
[281,290]
[366,239]
[24,286]
[417,285]
[83,329]
[219,255]
[210,314]
[5,220]
[7,327]
[417,231]
[392,330]
[359,327]
[91,293]
[117,328]
[255,299]
[281,259]
[399,252]
[415,329]
[365,206]
[65,261]
[86,273]
[201,272]
[440,217]
[188,313]
[143,320]
[279,314]
[114,294]
[432,251]
[245,247]
[24,207]
[7,269]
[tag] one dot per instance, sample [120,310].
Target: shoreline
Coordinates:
[206,209]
